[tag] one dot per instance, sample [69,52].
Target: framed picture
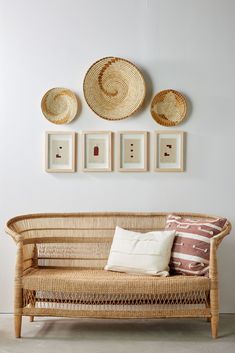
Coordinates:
[97,151]
[60,152]
[169,151]
[132,151]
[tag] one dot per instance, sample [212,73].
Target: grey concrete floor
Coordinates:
[48,335]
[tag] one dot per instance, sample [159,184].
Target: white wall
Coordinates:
[187,45]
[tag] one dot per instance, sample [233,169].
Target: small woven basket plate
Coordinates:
[168,108]
[59,105]
[114,88]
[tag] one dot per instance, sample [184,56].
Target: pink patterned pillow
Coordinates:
[191,248]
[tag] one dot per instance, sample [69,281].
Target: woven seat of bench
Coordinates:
[101,281]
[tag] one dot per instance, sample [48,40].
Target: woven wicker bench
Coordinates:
[59,271]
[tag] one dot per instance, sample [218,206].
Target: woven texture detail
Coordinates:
[59,105]
[107,282]
[168,108]
[114,302]
[114,88]
[95,290]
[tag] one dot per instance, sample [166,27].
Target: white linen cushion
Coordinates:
[141,253]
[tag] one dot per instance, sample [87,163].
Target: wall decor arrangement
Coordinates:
[97,151]
[60,152]
[59,105]
[132,151]
[169,151]
[114,88]
[168,107]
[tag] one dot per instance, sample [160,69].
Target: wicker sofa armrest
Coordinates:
[219,237]
[26,255]
[215,242]
[9,229]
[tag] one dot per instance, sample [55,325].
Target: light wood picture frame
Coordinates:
[132,151]
[169,151]
[60,152]
[97,151]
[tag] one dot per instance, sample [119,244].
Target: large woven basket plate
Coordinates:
[59,105]
[168,108]
[114,88]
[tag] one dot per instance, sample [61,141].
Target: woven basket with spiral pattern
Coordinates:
[59,105]
[114,88]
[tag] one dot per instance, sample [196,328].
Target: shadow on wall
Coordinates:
[189,107]
[149,91]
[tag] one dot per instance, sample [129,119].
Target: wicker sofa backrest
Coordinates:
[76,240]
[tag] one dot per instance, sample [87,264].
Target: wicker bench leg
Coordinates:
[18,321]
[214,326]
[214,313]
[214,293]
[18,290]
[31,318]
